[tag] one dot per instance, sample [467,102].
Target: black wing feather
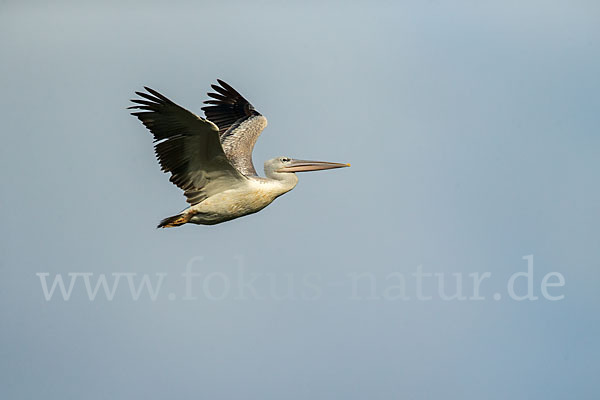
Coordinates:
[227,108]
[187,146]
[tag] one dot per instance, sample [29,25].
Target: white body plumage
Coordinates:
[247,198]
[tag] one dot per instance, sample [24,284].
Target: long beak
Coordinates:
[305,165]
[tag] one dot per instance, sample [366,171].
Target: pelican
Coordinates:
[210,158]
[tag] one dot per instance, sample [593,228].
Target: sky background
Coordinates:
[472,129]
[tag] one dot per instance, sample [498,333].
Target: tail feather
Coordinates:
[175,220]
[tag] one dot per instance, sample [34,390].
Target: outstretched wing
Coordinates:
[187,146]
[239,125]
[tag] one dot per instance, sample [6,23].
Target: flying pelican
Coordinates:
[211,159]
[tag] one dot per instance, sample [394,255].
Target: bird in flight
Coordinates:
[210,158]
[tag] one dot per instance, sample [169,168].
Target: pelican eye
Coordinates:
[285,159]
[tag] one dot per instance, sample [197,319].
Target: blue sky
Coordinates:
[472,129]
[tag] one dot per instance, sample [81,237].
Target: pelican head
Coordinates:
[286,165]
